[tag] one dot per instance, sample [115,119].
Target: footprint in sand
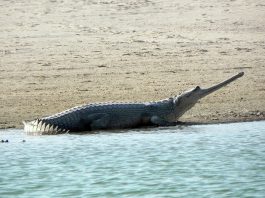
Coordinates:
[243,49]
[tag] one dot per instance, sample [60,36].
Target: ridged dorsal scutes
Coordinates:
[67,120]
[164,101]
[40,127]
[89,106]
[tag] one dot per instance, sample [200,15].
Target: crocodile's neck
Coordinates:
[164,108]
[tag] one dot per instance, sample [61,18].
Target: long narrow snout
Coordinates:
[205,92]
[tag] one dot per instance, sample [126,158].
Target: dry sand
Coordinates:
[57,54]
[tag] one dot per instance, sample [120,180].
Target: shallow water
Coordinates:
[226,160]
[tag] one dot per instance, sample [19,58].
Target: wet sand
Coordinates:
[58,54]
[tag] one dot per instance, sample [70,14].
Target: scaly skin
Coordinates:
[102,116]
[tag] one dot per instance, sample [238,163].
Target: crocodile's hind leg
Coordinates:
[101,122]
[94,121]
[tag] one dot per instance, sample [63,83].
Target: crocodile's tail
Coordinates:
[40,127]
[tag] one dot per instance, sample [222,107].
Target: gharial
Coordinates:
[104,116]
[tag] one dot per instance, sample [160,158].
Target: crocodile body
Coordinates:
[102,116]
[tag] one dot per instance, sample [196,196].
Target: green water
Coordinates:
[225,160]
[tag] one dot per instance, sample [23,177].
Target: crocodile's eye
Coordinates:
[197,88]
[177,101]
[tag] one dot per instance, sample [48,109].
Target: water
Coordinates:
[226,160]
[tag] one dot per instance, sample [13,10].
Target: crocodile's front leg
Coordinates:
[156,120]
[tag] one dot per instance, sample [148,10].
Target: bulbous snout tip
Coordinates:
[240,74]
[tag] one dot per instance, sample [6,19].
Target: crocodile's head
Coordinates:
[188,99]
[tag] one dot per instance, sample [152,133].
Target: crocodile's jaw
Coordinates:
[204,92]
[189,98]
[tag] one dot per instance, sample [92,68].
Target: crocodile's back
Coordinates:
[100,116]
[121,115]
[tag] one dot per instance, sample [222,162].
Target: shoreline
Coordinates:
[253,118]
[58,54]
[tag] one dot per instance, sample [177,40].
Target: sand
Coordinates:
[58,54]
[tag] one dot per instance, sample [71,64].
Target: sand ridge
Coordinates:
[61,53]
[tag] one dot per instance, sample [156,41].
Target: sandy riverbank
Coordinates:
[58,54]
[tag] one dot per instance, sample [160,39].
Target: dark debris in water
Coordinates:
[6,141]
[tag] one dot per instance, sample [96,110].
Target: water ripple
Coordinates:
[224,160]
